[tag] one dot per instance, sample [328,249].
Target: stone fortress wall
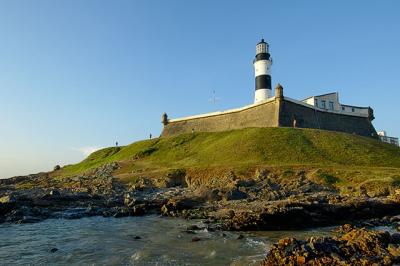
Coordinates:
[277,111]
[261,115]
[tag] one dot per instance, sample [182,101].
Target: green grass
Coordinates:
[247,148]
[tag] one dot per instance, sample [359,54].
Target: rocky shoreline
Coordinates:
[263,202]
[351,246]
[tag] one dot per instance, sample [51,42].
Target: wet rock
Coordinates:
[240,237]
[196,239]
[29,220]
[121,212]
[53,250]
[139,209]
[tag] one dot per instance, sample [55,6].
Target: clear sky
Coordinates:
[79,75]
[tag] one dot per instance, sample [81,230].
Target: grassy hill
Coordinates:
[358,158]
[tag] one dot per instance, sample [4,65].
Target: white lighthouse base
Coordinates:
[262,95]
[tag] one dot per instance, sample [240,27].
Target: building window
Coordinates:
[323,104]
[352,109]
[343,108]
[331,105]
[316,102]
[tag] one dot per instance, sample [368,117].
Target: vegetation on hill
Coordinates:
[338,154]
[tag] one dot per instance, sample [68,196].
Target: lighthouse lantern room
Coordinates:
[262,69]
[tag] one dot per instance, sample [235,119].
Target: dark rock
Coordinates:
[57,167]
[53,250]
[396,238]
[194,227]
[196,239]
[121,212]
[139,209]
[245,183]
[29,220]
[240,237]
[394,219]
[137,237]
[235,194]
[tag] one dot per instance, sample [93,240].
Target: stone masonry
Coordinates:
[276,112]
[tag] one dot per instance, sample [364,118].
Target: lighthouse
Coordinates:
[262,69]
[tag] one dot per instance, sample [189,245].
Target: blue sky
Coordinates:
[76,75]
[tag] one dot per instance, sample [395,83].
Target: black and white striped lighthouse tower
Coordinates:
[262,69]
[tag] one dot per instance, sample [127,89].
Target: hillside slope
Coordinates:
[270,147]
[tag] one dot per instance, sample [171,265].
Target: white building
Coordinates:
[385,138]
[330,102]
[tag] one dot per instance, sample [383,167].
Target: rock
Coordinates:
[54,193]
[394,219]
[196,239]
[175,178]
[235,194]
[8,199]
[139,209]
[173,206]
[245,183]
[53,250]
[261,174]
[394,250]
[29,220]
[209,195]
[356,247]
[240,237]
[396,238]
[57,167]
[121,212]
[194,228]
[137,237]
[345,228]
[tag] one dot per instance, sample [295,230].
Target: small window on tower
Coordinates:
[331,105]
[323,104]
[343,108]
[352,109]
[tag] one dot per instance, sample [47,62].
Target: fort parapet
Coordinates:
[277,111]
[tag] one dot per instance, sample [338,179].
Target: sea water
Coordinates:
[146,240]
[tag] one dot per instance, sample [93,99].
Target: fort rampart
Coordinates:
[275,112]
